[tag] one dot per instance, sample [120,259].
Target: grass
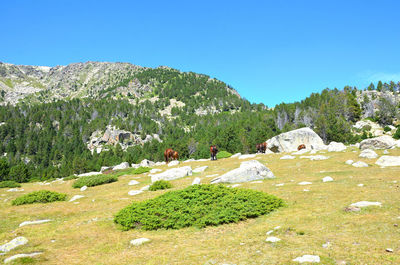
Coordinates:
[9,184]
[42,196]
[95,180]
[309,220]
[160,185]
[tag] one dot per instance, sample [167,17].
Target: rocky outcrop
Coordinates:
[381,142]
[248,171]
[388,161]
[174,173]
[289,141]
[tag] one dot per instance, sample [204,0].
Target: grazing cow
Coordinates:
[168,154]
[302,146]
[213,151]
[261,148]
[175,155]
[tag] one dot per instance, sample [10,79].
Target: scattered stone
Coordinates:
[300,152]
[173,173]
[196,181]
[308,258]
[134,192]
[139,241]
[336,147]
[160,163]
[15,189]
[30,255]
[270,232]
[34,222]
[189,160]
[360,185]
[388,161]
[76,197]
[327,179]
[305,183]
[316,157]
[272,239]
[279,185]
[102,169]
[360,164]
[389,250]
[200,169]
[277,227]
[83,188]
[211,176]
[385,152]
[286,157]
[145,188]
[173,163]
[236,155]
[326,245]
[349,162]
[248,171]
[381,142]
[368,153]
[365,204]
[247,156]
[90,174]
[18,241]
[123,165]
[155,170]
[133,182]
[306,190]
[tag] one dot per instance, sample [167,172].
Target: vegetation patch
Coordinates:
[199,206]
[70,177]
[9,184]
[42,196]
[141,170]
[223,154]
[91,181]
[160,185]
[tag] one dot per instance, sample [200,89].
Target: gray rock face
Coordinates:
[173,173]
[388,161]
[381,142]
[123,165]
[336,147]
[18,241]
[248,171]
[368,153]
[289,141]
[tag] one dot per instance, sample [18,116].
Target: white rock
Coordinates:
[248,171]
[173,173]
[18,241]
[15,189]
[300,152]
[173,163]
[212,176]
[272,239]
[381,142]
[155,170]
[277,227]
[336,147]
[202,160]
[235,185]
[349,162]
[327,179]
[360,185]
[83,188]
[139,241]
[247,156]
[160,163]
[316,157]
[388,161]
[306,190]
[285,157]
[270,232]
[18,256]
[189,160]
[289,141]
[326,245]
[102,169]
[145,188]
[196,181]
[133,182]
[360,164]
[76,197]
[134,192]
[385,152]
[279,185]
[313,152]
[89,174]
[34,222]
[123,165]
[368,153]
[200,169]
[305,183]
[308,258]
[147,163]
[257,181]
[365,204]
[236,155]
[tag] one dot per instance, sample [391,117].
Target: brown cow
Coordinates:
[213,151]
[175,155]
[261,148]
[168,154]
[302,146]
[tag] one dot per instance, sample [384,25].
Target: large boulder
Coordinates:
[388,161]
[147,163]
[368,153]
[289,141]
[381,142]
[123,165]
[174,173]
[248,171]
[336,147]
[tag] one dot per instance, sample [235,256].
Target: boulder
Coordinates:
[145,188]
[248,171]
[365,204]
[381,142]
[155,170]
[349,162]
[308,258]
[360,164]
[18,256]
[272,239]
[173,163]
[135,165]
[133,182]
[336,147]
[286,157]
[15,189]
[18,241]
[83,188]
[134,192]
[247,156]
[316,157]
[200,169]
[289,141]
[123,165]
[90,174]
[102,169]
[327,179]
[139,241]
[368,153]
[388,161]
[173,173]
[34,222]
[196,181]
[160,163]
[76,197]
[305,183]
[147,163]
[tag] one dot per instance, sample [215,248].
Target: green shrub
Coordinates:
[141,170]
[9,184]
[197,205]
[91,181]
[160,185]
[387,129]
[223,154]
[396,135]
[70,177]
[41,196]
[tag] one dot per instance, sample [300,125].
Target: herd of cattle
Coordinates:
[170,154]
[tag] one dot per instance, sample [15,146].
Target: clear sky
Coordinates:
[270,51]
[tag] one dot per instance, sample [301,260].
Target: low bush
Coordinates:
[223,154]
[42,196]
[141,170]
[70,177]
[160,185]
[387,129]
[9,184]
[197,205]
[396,135]
[95,180]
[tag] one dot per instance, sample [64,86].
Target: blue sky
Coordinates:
[270,51]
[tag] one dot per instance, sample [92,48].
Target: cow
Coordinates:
[302,146]
[175,155]
[261,148]
[168,154]
[213,151]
